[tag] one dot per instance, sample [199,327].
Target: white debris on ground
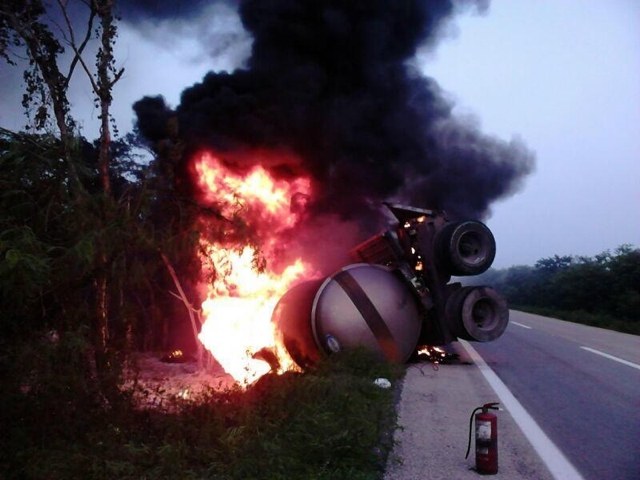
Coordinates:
[382,383]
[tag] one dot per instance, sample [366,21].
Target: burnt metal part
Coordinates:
[383,249]
[405,212]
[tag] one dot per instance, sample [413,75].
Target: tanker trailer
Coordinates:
[399,295]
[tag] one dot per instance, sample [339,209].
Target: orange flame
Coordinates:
[249,279]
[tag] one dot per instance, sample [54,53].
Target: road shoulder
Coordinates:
[433,418]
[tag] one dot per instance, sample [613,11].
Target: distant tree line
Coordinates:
[603,290]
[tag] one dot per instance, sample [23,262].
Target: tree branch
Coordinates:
[72,42]
[186,303]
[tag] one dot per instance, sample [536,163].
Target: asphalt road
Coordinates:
[580,384]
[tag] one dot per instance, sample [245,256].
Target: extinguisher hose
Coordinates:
[470,427]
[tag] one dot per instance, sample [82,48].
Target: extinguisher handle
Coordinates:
[491,406]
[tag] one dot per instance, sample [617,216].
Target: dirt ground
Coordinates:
[160,383]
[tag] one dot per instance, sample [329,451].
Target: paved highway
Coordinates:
[582,387]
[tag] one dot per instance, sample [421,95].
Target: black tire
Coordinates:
[465,248]
[477,313]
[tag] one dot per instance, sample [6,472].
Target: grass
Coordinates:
[331,423]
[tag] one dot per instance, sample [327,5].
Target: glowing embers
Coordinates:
[246,257]
[177,356]
[436,355]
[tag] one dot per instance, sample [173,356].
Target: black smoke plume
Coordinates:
[331,81]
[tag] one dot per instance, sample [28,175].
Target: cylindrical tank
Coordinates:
[292,316]
[360,305]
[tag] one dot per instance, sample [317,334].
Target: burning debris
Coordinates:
[295,154]
[435,355]
[177,356]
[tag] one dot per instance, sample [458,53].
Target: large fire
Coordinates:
[247,265]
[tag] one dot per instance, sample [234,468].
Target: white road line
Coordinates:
[553,458]
[521,325]
[611,357]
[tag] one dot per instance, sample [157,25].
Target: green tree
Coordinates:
[603,290]
[43,32]
[555,264]
[625,277]
[585,286]
[86,223]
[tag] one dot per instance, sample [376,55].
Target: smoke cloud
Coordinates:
[331,81]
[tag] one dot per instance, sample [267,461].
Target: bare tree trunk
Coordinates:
[192,312]
[101,330]
[104,85]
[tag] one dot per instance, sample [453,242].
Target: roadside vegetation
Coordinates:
[602,291]
[330,423]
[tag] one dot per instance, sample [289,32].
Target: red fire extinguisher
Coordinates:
[486,439]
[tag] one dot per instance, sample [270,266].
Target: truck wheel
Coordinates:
[477,313]
[465,248]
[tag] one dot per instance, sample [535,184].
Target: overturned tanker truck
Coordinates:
[399,296]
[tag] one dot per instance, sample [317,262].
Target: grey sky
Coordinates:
[562,75]
[565,76]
